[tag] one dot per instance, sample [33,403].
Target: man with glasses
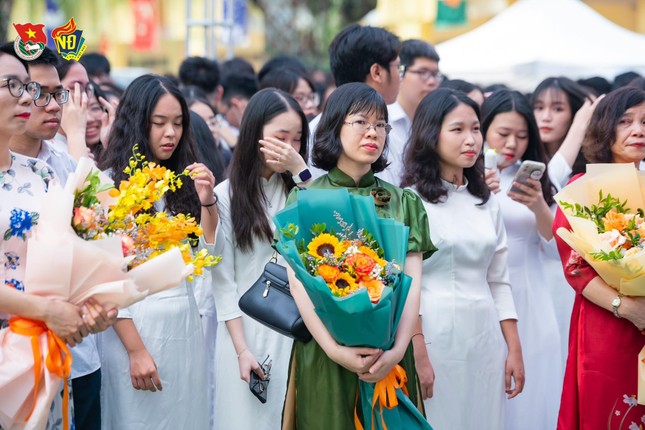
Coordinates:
[43,124]
[420,76]
[369,55]
[46,114]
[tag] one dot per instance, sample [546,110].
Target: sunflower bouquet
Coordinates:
[353,277]
[348,261]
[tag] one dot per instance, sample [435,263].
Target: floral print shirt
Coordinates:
[22,188]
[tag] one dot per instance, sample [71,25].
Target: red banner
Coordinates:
[145,21]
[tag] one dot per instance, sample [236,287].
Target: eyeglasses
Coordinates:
[425,74]
[17,88]
[401,69]
[362,126]
[87,89]
[303,99]
[61,97]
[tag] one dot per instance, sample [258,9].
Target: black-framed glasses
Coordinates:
[426,74]
[303,99]
[17,88]
[362,126]
[61,97]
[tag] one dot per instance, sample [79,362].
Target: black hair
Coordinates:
[495,87]
[623,79]
[576,96]
[597,84]
[132,127]
[248,201]
[282,62]
[512,101]
[348,99]
[236,66]
[9,49]
[46,58]
[96,64]
[200,72]
[355,49]
[242,85]
[460,85]
[285,80]
[637,83]
[206,148]
[601,132]
[412,49]
[421,159]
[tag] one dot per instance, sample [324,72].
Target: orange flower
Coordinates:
[374,288]
[83,217]
[328,273]
[614,221]
[362,264]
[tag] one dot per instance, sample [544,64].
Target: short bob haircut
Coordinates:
[503,101]
[601,133]
[355,49]
[348,99]
[248,201]
[422,165]
[132,125]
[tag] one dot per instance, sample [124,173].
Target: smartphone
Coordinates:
[528,169]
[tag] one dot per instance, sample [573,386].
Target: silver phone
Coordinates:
[528,169]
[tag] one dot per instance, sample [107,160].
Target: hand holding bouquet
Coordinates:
[92,241]
[349,261]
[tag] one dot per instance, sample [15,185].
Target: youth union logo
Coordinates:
[31,40]
[70,42]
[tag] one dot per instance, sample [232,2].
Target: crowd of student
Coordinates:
[493,336]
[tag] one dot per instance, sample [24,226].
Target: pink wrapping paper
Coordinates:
[61,265]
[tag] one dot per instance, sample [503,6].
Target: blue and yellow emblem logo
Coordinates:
[70,42]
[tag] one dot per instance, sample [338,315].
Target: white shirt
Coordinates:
[397,141]
[61,162]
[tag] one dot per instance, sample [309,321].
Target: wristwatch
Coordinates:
[301,177]
[616,303]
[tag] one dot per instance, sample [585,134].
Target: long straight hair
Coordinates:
[422,163]
[132,126]
[248,200]
[512,101]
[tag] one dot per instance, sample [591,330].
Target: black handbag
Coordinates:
[269,302]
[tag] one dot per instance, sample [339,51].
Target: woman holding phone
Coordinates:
[509,127]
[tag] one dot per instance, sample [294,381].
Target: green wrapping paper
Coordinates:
[354,320]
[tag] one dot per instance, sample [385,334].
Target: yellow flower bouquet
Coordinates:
[92,240]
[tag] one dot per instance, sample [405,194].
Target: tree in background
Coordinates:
[305,28]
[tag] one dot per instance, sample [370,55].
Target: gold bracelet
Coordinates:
[240,353]
[416,334]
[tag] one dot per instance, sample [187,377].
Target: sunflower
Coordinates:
[325,245]
[343,286]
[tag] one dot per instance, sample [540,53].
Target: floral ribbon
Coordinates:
[385,394]
[58,360]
